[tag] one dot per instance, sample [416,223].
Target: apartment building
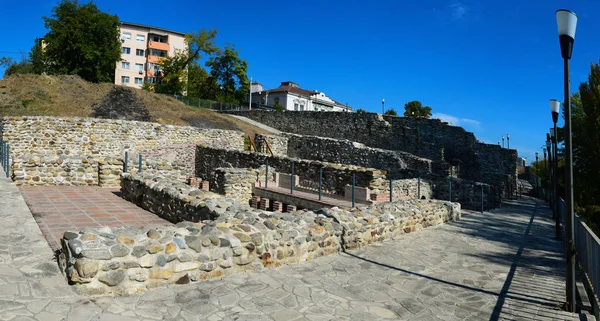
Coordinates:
[141,48]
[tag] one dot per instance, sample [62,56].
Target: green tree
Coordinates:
[13,67]
[229,72]
[38,58]
[81,40]
[416,109]
[182,68]
[391,112]
[361,111]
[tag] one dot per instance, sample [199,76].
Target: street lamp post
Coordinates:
[502,141]
[508,141]
[382,104]
[537,164]
[567,24]
[555,107]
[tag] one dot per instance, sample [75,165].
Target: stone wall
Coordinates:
[129,260]
[409,188]
[468,193]
[427,138]
[335,176]
[277,143]
[55,150]
[236,183]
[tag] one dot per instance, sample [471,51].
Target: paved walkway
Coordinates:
[500,265]
[71,208]
[257,124]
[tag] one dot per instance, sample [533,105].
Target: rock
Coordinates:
[206,242]
[139,251]
[158,273]
[269,224]
[119,250]
[194,243]
[257,238]
[70,235]
[243,260]
[131,264]
[187,266]
[242,237]
[209,266]
[237,250]
[203,258]
[154,234]
[245,228]
[154,248]
[75,246]
[140,275]
[111,265]
[112,278]
[184,257]
[125,240]
[183,280]
[250,247]
[86,268]
[161,260]
[97,254]
[171,247]
[147,261]
[214,240]
[226,263]
[224,242]
[180,243]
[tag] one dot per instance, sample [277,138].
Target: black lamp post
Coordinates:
[567,24]
[502,141]
[382,104]
[537,164]
[508,141]
[553,132]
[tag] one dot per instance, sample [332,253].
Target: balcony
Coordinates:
[158,45]
[154,59]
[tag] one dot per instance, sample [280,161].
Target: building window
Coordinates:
[301,107]
[125,50]
[158,53]
[140,38]
[157,38]
[295,106]
[151,80]
[139,52]
[139,67]
[124,79]
[138,81]
[125,65]
[126,36]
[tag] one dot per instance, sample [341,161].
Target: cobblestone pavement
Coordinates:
[60,208]
[499,265]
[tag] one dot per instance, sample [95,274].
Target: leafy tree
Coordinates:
[416,109]
[81,40]
[391,112]
[361,111]
[229,72]
[38,58]
[177,69]
[13,67]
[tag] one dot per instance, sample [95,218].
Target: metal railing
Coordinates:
[215,105]
[587,254]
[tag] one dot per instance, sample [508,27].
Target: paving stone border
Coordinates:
[230,238]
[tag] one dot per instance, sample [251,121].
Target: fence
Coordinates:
[587,255]
[5,157]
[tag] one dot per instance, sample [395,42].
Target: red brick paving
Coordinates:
[60,208]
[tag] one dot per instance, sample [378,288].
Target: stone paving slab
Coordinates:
[71,208]
[499,265]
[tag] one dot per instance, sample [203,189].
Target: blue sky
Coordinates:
[490,66]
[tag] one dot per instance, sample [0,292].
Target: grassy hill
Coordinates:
[41,95]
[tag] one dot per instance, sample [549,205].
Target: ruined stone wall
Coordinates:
[468,193]
[66,151]
[427,138]
[335,176]
[277,143]
[124,261]
[236,183]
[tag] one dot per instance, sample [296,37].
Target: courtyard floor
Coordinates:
[498,265]
[57,209]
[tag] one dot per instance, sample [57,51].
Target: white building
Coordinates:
[291,97]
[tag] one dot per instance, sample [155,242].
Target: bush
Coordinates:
[121,103]
[361,111]
[278,107]
[391,112]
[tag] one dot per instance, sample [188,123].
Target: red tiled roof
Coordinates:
[292,89]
